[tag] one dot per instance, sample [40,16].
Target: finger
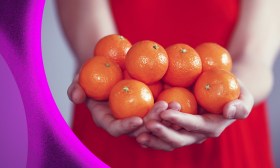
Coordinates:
[153,114]
[102,116]
[151,141]
[174,138]
[200,142]
[124,126]
[236,110]
[210,124]
[176,127]
[70,91]
[240,108]
[166,123]
[174,106]
[78,95]
[75,92]
[156,110]
[170,125]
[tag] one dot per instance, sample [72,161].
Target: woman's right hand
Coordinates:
[102,114]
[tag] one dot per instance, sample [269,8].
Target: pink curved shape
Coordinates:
[51,143]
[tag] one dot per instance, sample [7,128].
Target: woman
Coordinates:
[247,28]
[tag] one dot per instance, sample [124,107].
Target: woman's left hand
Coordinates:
[193,129]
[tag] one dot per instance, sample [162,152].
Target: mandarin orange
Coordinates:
[181,95]
[146,61]
[184,65]
[214,88]
[130,98]
[214,56]
[97,77]
[113,46]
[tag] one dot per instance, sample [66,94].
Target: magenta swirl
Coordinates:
[49,141]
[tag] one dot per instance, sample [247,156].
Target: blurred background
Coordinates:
[60,66]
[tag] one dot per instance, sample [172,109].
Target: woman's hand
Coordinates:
[103,117]
[193,129]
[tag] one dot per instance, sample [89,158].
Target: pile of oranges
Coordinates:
[133,77]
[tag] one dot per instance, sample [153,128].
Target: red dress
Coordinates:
[245,143]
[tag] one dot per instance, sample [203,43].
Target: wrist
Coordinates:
[256,77]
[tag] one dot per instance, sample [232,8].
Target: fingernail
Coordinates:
[75,96]
[231,112]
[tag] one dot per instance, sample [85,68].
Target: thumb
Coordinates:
[75,92]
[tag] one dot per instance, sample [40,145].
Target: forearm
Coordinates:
[84,23]
[254,45]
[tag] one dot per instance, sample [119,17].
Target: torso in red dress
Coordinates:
[245,143]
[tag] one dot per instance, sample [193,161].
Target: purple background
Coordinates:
[33,132]
[13,143]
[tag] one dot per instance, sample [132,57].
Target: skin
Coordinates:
[164,127]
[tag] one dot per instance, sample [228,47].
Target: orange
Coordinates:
[214,56]
[146,61]
[181,95]
[156,88]
[130,98]
[97,77]
[113,46]
[184,65]
[214,88]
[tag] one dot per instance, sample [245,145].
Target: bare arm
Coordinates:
[254,45]
[84,23]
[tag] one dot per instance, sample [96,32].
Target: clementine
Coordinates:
[113,46]
[130,98]
[181,95]
[214,56]
[97,77]
[146,61]
[184,65]
[214,88]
